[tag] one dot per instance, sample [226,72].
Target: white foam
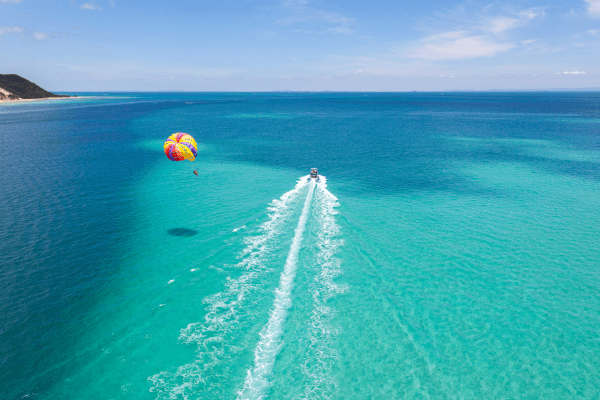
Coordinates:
[323,182]
[241,227]
[171,281]
[257,379]
[224,308]
[322,333]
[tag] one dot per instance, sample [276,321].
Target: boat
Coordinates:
[314,174]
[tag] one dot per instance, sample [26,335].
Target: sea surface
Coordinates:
[451,252]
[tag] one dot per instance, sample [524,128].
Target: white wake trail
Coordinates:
[320,355]
[213,336]
[257,379]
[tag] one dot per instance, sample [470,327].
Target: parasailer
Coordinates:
[181,146]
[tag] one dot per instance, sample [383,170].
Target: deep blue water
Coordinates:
[452,253]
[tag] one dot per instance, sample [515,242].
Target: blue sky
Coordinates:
[254,45]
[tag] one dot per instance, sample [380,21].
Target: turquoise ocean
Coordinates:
[451,252]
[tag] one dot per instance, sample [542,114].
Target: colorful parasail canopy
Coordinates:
[181,146]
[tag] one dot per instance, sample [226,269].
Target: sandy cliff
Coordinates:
[6,95]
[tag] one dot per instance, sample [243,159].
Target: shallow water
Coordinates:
[452,251]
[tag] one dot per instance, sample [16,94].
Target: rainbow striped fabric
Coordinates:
[181,146]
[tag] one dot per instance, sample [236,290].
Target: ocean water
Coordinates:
[452,252]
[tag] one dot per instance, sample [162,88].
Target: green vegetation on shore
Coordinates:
[23,88]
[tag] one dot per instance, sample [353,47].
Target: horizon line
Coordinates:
[591,89]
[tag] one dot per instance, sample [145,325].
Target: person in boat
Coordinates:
[314,173]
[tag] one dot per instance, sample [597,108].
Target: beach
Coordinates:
[41,99]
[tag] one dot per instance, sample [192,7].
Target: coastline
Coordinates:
[43,99]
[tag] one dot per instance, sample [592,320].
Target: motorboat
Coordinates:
[314,174]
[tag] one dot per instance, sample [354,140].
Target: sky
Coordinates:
[301,45]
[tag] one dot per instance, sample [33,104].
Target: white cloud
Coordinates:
[593,32]
[294,3]
[502,24]
[10,1]
[593,7]
[90,6]
[481,35]
[571,73]
[40,35]
[344,27]
[457,45]
[9,29]
[303,13]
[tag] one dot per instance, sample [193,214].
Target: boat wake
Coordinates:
[320,354]
[257,379]
[315,351]
[213,336]
[234,316]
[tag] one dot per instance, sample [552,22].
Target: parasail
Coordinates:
[181,146]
